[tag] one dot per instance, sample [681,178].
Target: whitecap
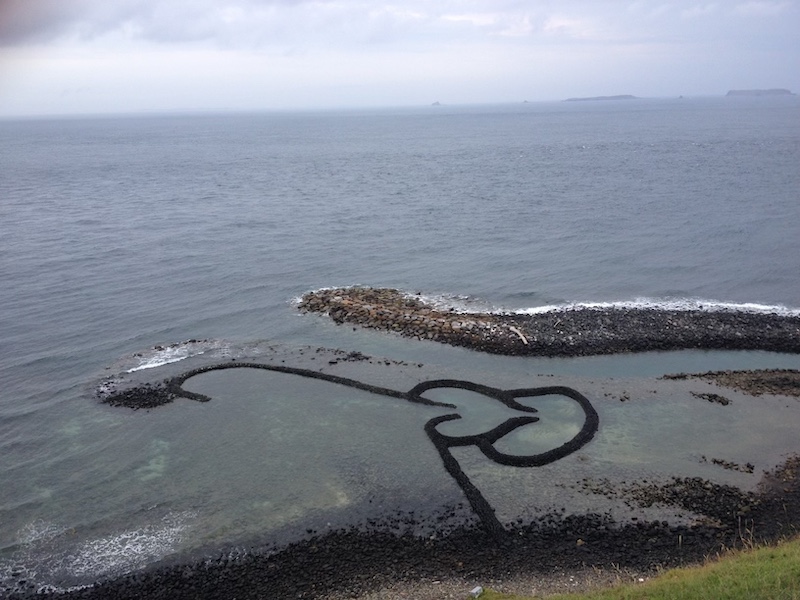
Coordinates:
[159,356]
[459,303]
[465,304]
[53,558]
[672,304]
[128,550]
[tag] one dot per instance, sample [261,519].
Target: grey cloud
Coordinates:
[412,23]
[246,22]
[37,20]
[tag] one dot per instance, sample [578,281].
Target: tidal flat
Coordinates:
[669,477]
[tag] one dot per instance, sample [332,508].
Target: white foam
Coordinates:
[165,355]
[157,362]
[675,304]
[456,303]
[297,300]
[39,530]
[467,304]
[48,556]
[125,551]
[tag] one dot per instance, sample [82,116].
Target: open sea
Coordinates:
[123,237]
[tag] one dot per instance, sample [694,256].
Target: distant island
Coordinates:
[595,98]
[772,92]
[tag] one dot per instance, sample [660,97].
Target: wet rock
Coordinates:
[713,398]
[357,561]
[568,332]
[755,382]
[149,395]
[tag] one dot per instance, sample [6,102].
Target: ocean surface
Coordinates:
[121,238]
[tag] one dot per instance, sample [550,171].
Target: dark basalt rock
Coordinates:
[785,382]
[356,562]
[568,332]
[713,398]
[149,395]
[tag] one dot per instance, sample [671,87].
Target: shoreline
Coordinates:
[577,552]
[554,553]
[564,333]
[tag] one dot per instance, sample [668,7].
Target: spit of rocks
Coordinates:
[566,332]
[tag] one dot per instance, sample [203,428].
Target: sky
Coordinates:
[122,56]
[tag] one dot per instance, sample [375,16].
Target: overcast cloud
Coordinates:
[79,56]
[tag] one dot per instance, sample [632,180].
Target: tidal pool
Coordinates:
[275,457]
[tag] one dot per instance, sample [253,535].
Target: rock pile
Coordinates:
[566,332]
[391,310]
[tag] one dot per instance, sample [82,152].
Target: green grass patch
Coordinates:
[765,573]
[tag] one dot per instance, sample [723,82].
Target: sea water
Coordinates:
[121,236]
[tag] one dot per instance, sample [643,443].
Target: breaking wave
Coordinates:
[461,303]
[677,304]
[49,558]
[159,356]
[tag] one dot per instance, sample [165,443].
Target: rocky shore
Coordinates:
[373,560]
[567,332]
[355,563]
[785,382]
[551,554]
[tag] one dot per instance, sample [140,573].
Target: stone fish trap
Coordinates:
[150,396]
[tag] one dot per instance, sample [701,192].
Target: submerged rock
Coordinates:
[785,382]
